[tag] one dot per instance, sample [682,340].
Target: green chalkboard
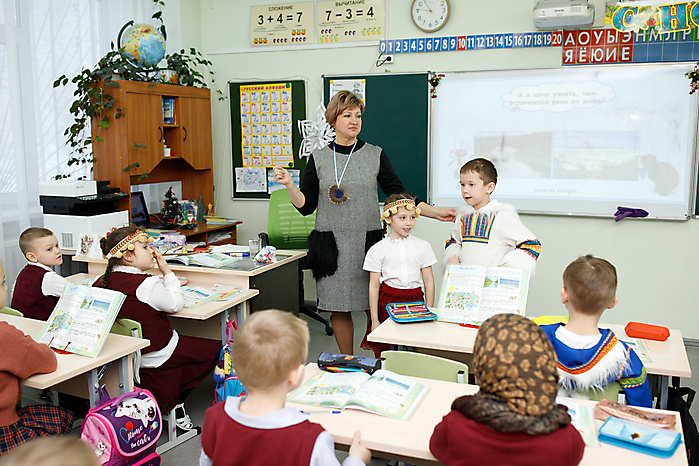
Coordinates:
[396,118]
[298,112]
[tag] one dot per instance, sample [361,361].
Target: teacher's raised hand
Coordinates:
[281,175]
[444,214]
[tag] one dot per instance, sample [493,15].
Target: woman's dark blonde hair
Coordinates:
[106,245]
[390,199]
[341,102]
[52,451]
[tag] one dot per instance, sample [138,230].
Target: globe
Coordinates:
[143,44]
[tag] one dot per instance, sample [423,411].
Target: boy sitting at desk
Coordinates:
[38,288]
[269,352]
[485,232]
[590,358]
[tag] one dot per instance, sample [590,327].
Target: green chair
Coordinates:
[11,312]
[288,229]
[425,366]
[130,328]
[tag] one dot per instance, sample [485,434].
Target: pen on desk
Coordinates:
[239,254]
[322,412]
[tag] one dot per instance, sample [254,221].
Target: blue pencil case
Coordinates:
[652,441]
[410,312]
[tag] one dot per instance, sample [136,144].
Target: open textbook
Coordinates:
[205,259]
[471,294]
[384,392]
[81,320]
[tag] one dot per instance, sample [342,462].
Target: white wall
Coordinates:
[656,261]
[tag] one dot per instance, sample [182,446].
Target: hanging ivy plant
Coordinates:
[92,102]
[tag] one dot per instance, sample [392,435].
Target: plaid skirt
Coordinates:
[388,295]
[36,421]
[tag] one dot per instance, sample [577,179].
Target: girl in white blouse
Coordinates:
[398,265]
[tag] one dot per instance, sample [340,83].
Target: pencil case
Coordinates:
[410,312]
[647,331]
[644,439]
[331,362]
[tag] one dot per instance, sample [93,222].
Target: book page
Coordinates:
[196,295]
[583,419]
[209,259]
[329,389]
[389,394]
[81,319]
[471,294]
[226,292]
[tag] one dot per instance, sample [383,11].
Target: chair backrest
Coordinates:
[548,320]
[286,227]
[126,327]
[424,365]
[10,311]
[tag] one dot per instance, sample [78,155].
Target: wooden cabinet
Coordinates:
[134,142]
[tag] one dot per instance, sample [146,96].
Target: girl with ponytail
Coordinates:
[172,365]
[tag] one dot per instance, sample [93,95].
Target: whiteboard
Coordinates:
[570,141]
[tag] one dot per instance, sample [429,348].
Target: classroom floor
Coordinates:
[187,454]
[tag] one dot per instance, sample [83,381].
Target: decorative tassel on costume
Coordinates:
[322,253]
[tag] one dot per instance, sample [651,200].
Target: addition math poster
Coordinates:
[266,125]
[289,24]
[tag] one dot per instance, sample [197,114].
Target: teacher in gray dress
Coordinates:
[341,182]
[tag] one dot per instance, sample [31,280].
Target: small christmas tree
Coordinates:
[171,210]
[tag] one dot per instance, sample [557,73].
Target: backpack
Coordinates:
[227,383]
[676,402]
[124,431]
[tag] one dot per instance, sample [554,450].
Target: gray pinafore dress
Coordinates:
[348,288]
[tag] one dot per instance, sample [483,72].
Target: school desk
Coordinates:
[278,283]
[408,440]
[669,357]
[77,374]
[208,320]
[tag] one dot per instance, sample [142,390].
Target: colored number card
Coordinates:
[266,125]
[351,21]
[288,24]
[410,312]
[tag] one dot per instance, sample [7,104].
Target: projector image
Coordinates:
[563,14]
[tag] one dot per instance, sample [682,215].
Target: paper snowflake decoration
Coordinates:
[317,133]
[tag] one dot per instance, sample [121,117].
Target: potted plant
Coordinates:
[92,102]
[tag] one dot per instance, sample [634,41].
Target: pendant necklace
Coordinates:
[338,193]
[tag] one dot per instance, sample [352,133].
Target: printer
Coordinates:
[73,207]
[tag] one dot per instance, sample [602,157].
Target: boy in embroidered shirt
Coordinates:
[38,287]
[590,358]
[485,231]
[269,352]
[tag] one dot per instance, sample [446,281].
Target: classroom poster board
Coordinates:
[571,141]
[264,131]
[396,118]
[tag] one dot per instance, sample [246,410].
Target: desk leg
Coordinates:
[92,387]
[125,382]
[664,382]
[224,326]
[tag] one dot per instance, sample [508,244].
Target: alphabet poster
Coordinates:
[266,125]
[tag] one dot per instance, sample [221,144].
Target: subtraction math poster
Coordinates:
[266,123]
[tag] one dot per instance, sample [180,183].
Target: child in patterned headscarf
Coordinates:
[514,418]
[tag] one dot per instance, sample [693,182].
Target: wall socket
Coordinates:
[388,59]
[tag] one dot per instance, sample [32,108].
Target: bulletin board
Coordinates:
[264,131]
[396,118]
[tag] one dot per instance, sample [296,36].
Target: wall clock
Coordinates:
[430,15]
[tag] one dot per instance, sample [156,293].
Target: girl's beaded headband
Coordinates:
[127,244]
[392,208]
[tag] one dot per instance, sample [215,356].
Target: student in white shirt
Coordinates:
[398,265]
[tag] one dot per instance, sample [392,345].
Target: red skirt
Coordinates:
[193,359]
[36,421]
[388,295]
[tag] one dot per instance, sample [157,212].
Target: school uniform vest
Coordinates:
[229,443]
[28,298]
[154,324]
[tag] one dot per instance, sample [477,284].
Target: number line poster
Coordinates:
[265,119]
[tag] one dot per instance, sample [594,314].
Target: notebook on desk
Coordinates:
[140,216]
